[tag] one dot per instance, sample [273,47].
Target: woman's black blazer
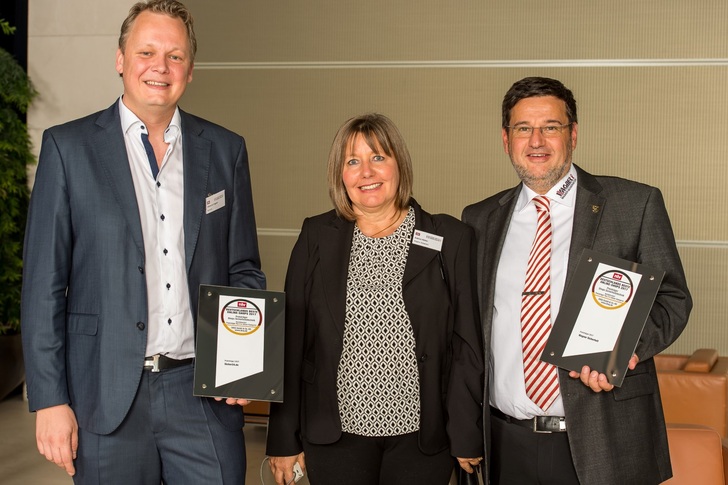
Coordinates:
[439,292]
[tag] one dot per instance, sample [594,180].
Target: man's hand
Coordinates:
[231,401]
[596,381]
[56,434]
[282,467]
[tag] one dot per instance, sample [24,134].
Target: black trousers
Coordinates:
[521,457]
[363,460]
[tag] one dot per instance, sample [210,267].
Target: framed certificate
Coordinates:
[240,343]
[602,315]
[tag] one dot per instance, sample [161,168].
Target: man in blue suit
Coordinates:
[133,208]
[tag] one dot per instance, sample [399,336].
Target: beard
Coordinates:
[542,183]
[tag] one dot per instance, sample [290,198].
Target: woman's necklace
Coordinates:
[396,218]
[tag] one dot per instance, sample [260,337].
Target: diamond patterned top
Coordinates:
[378,381]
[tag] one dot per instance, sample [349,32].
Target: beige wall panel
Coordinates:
[274,255]
[645,124]
[660,126]
[290,117]
[648,124]
[76,18]
[706,271]
[663,125]
[434,30]
[74,90]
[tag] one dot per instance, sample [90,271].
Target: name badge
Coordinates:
[427,240]
[214,202]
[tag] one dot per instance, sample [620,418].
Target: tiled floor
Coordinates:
[21,464]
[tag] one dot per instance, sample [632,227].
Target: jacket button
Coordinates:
[140,325]
[423,358]
[141,269]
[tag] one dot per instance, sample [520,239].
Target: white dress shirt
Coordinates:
[507,387]
[170,328]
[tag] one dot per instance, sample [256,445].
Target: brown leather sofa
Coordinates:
[694,391]
[696,454]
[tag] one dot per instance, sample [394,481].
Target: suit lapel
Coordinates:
[588,210]
[196,163]
[334,251]
[110,148]
[490,252]
[419,257]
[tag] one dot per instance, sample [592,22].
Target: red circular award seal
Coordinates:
[241,317]
[612,289]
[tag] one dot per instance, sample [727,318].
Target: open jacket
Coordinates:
[615,437]
[439,296]
[84,308]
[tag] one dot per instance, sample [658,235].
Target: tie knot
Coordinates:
[542,203]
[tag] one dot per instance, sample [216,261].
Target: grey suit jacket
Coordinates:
[615,437]
[84,302]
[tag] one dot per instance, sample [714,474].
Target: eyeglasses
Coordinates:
[547,131]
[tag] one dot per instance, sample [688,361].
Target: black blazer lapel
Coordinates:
[110,148]
[196,154]
[588,210]
[334,251]
[419,257]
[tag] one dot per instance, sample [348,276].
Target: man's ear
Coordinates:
[574,132]
[119,62]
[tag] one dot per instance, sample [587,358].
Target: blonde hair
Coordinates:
[378,132]
[172,8]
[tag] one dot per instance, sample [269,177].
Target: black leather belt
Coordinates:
[160,362]
[538,424]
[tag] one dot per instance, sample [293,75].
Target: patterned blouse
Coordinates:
[378,381]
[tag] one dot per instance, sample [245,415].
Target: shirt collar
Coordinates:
[131,121]
[563,192]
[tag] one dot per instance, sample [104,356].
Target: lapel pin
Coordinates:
[595,209]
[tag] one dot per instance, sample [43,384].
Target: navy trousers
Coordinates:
[169,436]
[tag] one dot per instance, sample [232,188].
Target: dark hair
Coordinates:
[172,8]
[530,87]
[378,130]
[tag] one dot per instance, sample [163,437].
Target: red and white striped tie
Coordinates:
[542,380]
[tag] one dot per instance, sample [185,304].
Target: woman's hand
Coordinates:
[467,464]
[282,467]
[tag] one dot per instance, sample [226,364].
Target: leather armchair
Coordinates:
[694,389]
[696,455]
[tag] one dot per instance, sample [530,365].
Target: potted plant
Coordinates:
[16,93]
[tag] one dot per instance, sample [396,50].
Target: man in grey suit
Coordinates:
[568,427]
[133,208]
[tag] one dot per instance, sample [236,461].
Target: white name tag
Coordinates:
[215,202]
[427,240]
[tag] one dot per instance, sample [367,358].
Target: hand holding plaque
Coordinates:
[240,343]
[602,315]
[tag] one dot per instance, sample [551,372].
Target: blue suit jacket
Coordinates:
[84,305]
[617,437]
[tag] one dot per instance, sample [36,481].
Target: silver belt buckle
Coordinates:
[562,426]
[535,427]
[153,363]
